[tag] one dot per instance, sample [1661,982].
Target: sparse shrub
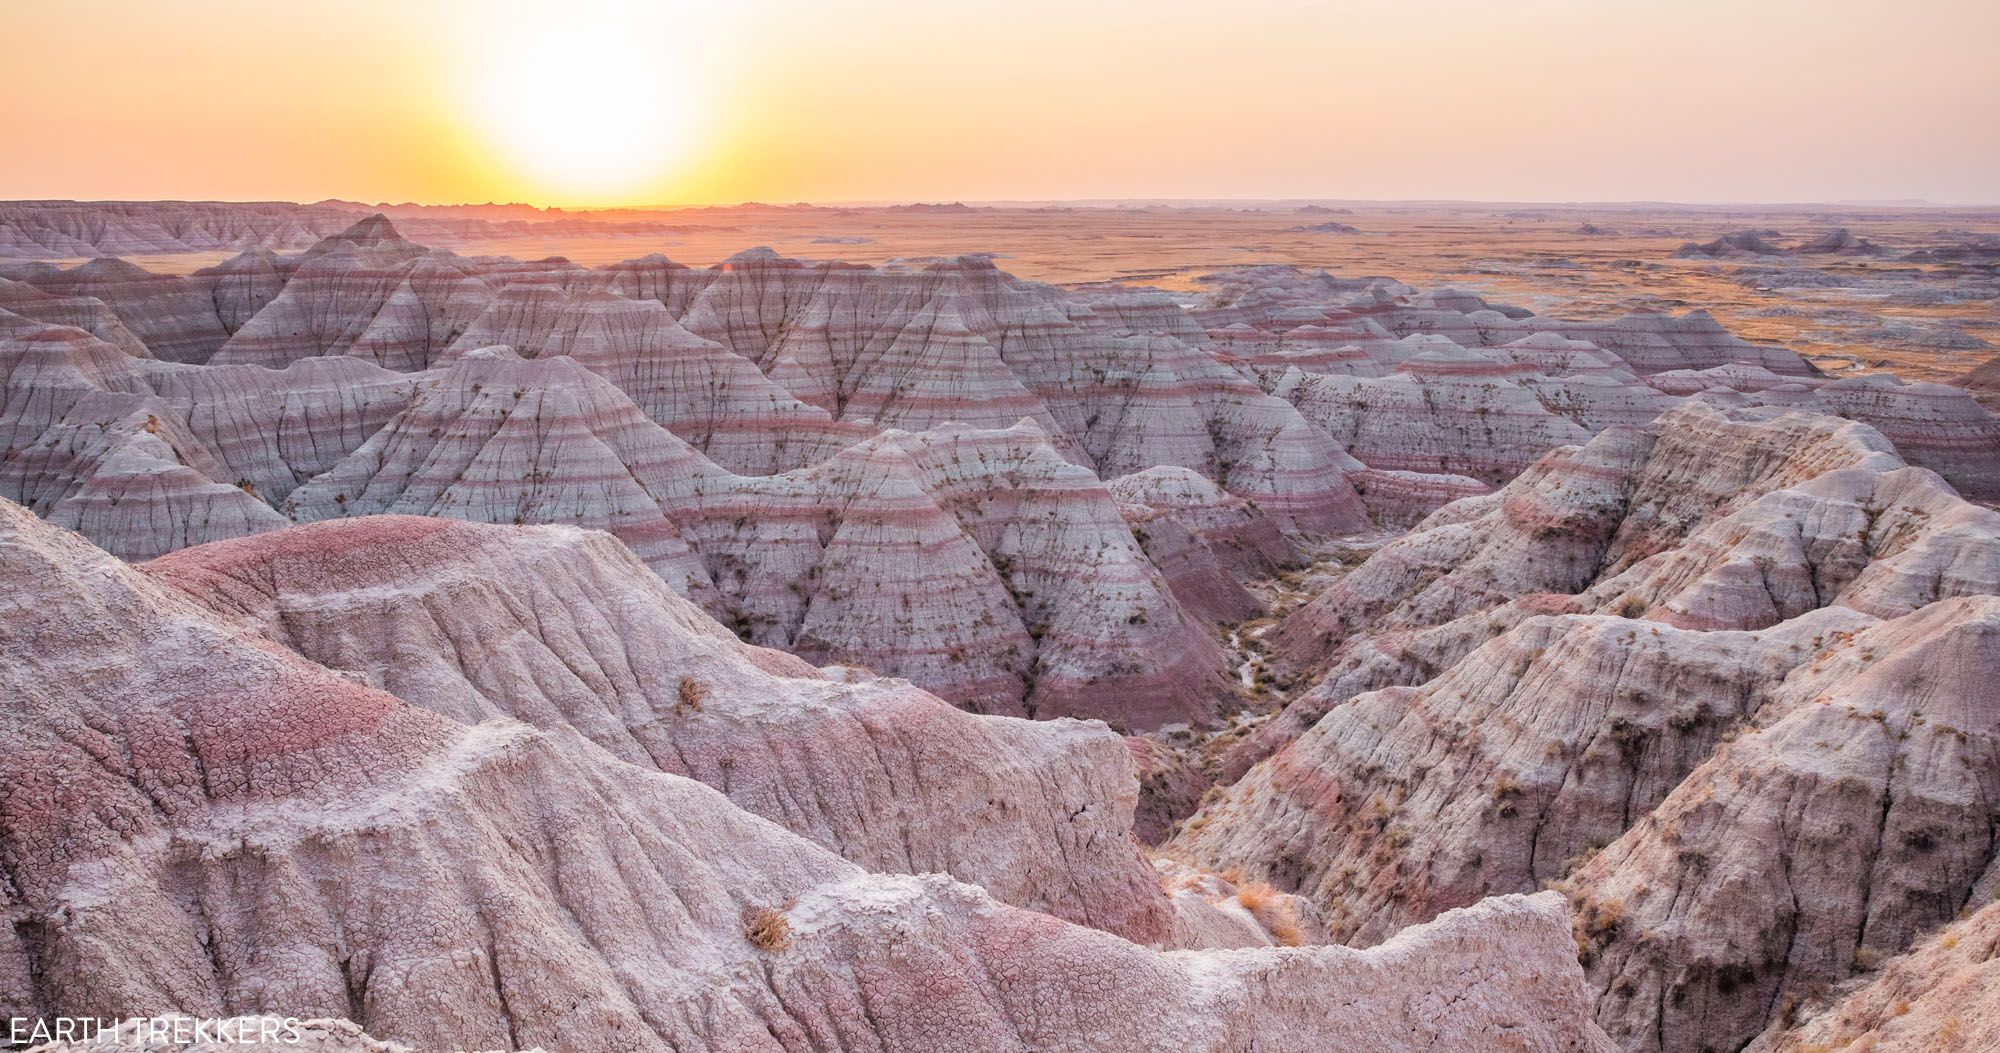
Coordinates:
[1275,911]
[1285,931]
[767,929]
[691,694]
[1256,896]
[1595,923]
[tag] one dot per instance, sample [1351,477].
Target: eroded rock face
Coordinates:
[1944,995]
[1577,516]
[1471,423]
[1983,381]
[1882,542]
[1205,540]
[182,788]
[1525,757]
[1848,821]
[980,563]
[565,630]
[715,400]
[1753,744]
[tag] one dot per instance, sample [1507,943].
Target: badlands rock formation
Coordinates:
[757,433]
[72,229]
[1725,679]
[1945,995]
[486,653]
[1983,382]
[564,629]
[199,820]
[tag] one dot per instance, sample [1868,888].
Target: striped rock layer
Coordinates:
[649,399]
[1727,680]
[198,820]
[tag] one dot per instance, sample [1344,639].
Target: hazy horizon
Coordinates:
[618,103]
[1073,202]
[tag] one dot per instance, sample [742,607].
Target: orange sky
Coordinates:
[596,102]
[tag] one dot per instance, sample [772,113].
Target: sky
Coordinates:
[586,103]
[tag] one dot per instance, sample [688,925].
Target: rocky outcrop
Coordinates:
[715,400]
[1474,423]
[1942,996]
[24,302]
[1578,515]
[1984,382]
[1933,425]
[1848,821]
[1500,775]
[178,319]
[1882,542]
[565,630]
[200,821]
[1205,540]
[368,293]
[495,439]
[979,563]
[1736,243]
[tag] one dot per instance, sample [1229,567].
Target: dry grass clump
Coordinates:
[1594,923]
[1257,897]
[692,692]
[767,929]
[1275,911]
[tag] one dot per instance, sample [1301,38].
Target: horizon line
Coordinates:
[1102,202]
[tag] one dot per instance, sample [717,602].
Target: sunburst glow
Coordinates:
[591,101]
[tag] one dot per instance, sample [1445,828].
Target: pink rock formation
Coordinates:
[178,319]
[199,821]
[1204,540]
[1576,516]
[565,630]
[1736,892]
[716,400]
[1500,775]
[1471,423]
[368,293]
[1944,995]
[23,301]
[495,439]
[1934,425]
[980,564]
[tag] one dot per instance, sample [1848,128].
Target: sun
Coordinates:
[589,102]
